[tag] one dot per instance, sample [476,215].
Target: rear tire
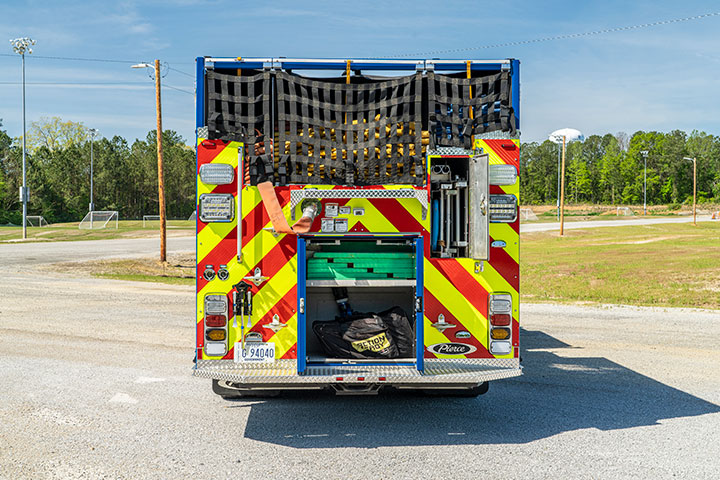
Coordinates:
[471,392]
[227,393]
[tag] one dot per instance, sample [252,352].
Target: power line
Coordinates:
[180,71]
[76,59]
[103,60]
[62,84]
[562,37]
[178,89]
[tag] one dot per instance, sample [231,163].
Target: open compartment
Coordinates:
[360,300]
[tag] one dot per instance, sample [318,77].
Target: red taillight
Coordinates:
[500,319]
[215,320]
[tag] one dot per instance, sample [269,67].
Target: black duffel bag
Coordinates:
[367,335]
[397,321]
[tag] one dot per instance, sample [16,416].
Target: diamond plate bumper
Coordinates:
[284,372]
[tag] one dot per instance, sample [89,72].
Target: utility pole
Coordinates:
[694,160]
[161,177]
[562,190]
[91,207]
[20,46]
[645,154]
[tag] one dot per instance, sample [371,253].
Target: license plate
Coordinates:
[255,352]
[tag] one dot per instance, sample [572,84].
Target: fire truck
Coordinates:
[357,224]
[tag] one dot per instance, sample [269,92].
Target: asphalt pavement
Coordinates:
[96,384]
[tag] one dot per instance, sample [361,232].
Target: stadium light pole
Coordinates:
[694,186]
[91,207]
[161,178]
[20,46]
[645,154]
[564,135]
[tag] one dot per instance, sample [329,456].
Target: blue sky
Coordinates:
[658,78]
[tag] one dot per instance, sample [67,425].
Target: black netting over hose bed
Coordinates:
[366,133]
[462,107]
[373,131]
[239,109]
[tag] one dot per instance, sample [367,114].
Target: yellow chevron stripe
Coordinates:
[433,336]
[455,303]
[503,231]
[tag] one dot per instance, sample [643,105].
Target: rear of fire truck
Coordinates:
[357,224]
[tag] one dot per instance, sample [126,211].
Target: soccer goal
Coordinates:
[99,219]
[36,221]
[150,218]
[527,214]
[624,211]
[193,216]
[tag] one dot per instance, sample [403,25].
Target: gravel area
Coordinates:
[96,384]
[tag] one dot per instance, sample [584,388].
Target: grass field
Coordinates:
[675,265]
[59,232]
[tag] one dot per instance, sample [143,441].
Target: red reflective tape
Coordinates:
[206,154]
[258,217]
[275,259]
[510,156]
[283,308]
[395,213]
[221,254]
[433,307]
[464,282]
[506,266]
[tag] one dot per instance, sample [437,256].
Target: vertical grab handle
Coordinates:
[238,215]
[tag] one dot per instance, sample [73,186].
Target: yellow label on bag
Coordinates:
[377,343]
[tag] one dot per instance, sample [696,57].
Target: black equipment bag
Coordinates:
[397,321]
[367,335]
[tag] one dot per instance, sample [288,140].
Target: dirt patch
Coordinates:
[180,268]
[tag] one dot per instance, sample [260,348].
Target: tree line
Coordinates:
[125,175]
[610,169]
[605,169]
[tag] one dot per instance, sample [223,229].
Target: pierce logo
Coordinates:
[451,348]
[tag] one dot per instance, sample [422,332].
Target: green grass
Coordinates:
[60,232]
[675,265]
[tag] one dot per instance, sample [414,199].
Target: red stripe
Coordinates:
[463,282]
[206,154]
[506,266]
[275,259]
[221,254]
[510,154]
[433,307]
[516,336]
[284,308]
[398,215]
[258,217]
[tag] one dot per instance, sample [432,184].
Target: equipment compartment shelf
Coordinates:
[391,282]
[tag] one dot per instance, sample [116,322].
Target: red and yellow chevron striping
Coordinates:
[456,288]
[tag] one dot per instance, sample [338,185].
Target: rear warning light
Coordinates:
[500,333]
[500,303]
[215,321]
[215,335]
[213,349]
[500,348]
[500,319]
[217,173]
